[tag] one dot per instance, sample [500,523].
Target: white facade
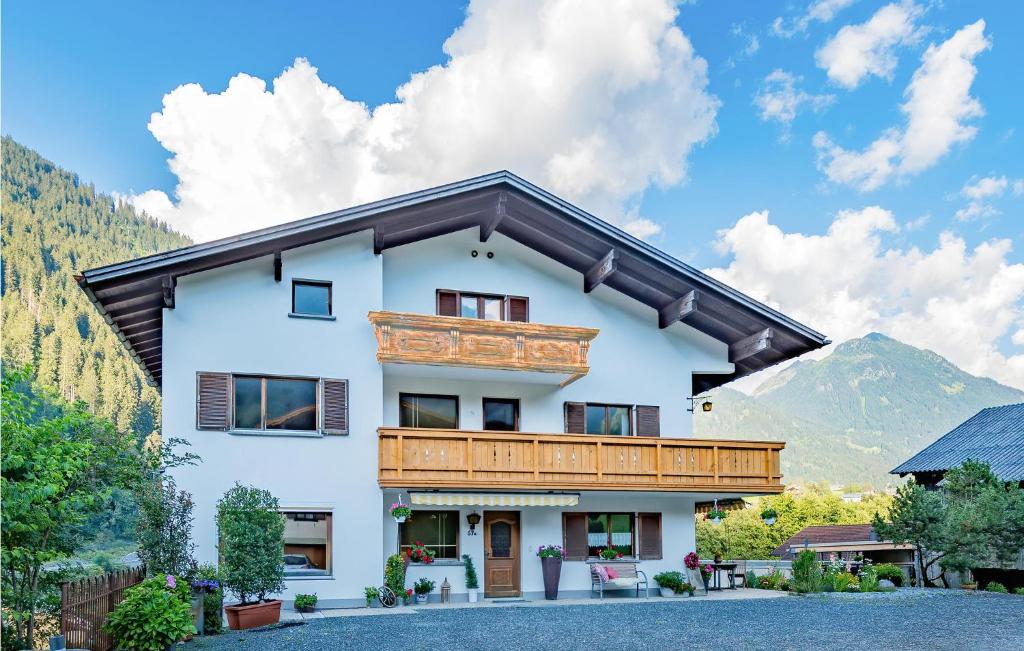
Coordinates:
[236,319]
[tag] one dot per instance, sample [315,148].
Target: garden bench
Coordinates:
[629,578]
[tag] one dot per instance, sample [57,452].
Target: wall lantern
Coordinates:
[705,403]
[473,519]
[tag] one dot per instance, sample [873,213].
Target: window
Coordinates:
[612,420]
[491,307]
[307,543]
[436,530]
[272,403]
[501,414]
[416,410]
[311,297]
[610,530]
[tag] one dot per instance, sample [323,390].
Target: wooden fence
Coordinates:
[84,605]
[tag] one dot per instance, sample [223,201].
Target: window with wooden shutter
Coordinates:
[648,420]
[574,536]
[650,536]
[334,401]
[518,308]
[213,401]
[447,303]
[575,417]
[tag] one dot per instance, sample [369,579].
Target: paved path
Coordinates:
[905,619]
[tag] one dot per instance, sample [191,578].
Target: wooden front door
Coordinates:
[501,554]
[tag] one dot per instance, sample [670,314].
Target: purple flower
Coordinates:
[171,582]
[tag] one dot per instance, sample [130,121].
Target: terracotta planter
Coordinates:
[261,614]
[552,568]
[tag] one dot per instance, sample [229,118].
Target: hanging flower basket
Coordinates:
[769,516]
[400,512]
[715,515]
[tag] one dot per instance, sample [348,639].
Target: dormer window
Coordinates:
[311,298]
[491,307]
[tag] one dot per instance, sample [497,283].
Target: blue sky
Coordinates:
[81,80]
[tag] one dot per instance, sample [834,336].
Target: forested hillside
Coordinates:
[53,226]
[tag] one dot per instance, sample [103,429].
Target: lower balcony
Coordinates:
[454,459]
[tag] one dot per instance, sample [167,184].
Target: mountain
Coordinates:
[854,415]
[53,226]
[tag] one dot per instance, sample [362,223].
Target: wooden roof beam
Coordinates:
[678,310]
[750,346]
[278,266]
[169,283]
[488,227]
[601,271]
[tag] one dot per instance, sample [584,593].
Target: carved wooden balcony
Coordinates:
[461,459]
[547,353]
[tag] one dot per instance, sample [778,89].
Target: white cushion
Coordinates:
[621,583]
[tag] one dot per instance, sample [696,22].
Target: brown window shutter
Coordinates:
[334,403]
[650,536]
[574,536]
[648,420]
[447,303]
[575,418]
[213,401]
[518,308]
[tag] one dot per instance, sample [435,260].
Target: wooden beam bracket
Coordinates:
[601,271]
[678,310]
[750,346]
[378,241]
[168,284]
[277,266]
[489,225]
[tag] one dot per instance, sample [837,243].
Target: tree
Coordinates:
[916,517]
[251,542]
[59,467]
[164,528]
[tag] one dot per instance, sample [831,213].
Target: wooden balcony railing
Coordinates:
[433,458]
[407,338]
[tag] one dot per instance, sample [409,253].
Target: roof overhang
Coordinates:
[132,295]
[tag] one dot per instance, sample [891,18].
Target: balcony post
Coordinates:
[600,453]
[714,464]
[400,455]
[469,457]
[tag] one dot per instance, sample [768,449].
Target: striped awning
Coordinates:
[493,499]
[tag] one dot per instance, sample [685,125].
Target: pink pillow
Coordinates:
[612,574]
[601,572]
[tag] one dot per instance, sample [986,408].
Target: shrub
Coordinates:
[150,618]
[472,583]
[671,580]
[305,600]
[891,572]
[775,580]
[868,578]
[394,574]
[423,586]
[996,586]
[842,581]
[251,543]
[1019,591]
[750,580]
[806,572]
[213,600]
[371,594]
[164,528]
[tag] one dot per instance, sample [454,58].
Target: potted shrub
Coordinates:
[204,586]
[686,588]
[252,555]
[609,554]
[406,596]
[372,594]
[153,616]
[669,583]
[305,603]
[423,587]
[769,516]
[394,575]
[400,512]
[551,565]
[420,554]
[472,583]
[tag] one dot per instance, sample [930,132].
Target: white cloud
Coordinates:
[596,106]
[952,300]
[780,100]
[1018,187]
[980,192]
[821,11]
[937,106]
[858,51]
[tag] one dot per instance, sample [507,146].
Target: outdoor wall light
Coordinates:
[705,403]
[473,519]
[490,255]
[474,253]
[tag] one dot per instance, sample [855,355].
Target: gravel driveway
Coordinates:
[905,619]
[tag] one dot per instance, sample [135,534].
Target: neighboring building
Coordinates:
[994,435]
[845,541]
[479,348]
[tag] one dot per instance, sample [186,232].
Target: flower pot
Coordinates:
[552,568]
[769,521]
[306,609]
[421,598]
[400,520]
[472,595]
[716,521]
[251,616]
[667,592]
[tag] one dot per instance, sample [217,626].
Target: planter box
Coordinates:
[306,609]
[243,617]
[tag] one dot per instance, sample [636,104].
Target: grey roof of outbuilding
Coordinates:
[132,295]
[994,435]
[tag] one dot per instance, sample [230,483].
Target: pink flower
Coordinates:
[171,582]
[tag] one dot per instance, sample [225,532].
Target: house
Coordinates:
[847,542]
[515,369]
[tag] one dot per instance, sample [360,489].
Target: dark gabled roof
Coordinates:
[131,295]
[994,435]
[828,533]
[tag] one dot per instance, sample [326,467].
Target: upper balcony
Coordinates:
[460,459]
[537,352]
